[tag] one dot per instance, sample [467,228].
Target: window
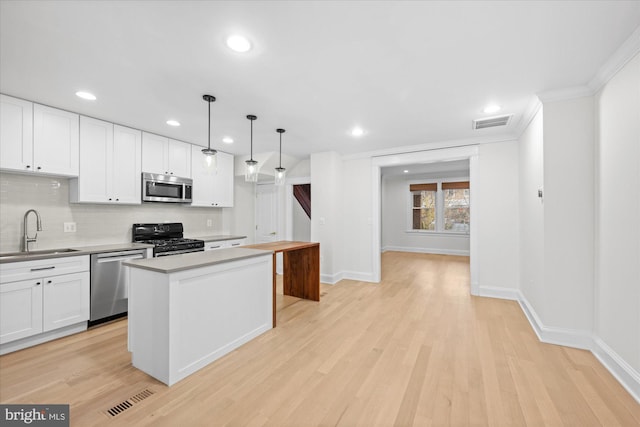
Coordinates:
[456,206]
[440,206]
[424,206]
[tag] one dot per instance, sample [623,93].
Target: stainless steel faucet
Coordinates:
[26,239]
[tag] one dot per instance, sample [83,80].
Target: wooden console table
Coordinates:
[301,265]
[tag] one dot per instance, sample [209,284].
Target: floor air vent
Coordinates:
[490,122]
[127,404]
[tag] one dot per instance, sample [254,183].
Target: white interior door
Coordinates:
[266,213]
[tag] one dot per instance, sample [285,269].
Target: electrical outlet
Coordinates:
[69,227]
[209,223]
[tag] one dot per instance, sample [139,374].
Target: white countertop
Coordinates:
[175,263]
[217,237]
[77,250]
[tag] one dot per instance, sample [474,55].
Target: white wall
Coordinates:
[327,213]
[617,306]
[95,224]
[396,227]
[301,224]
[568,213]
[240,219]
[356,234]
[531,214]
[496,204]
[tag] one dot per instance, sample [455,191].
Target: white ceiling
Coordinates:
[407,72]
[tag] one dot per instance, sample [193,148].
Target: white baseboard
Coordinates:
[619,368]
[332,279]
[500,293]
[561,336]
[42,338]
[438,251]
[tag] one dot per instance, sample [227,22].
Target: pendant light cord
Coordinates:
[209,134]
[280,150]
[251,140]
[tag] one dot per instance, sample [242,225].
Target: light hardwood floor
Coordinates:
[416,349]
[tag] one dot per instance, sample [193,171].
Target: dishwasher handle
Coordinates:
[119,256]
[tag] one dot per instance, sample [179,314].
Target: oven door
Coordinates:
[185,251]
[166,188]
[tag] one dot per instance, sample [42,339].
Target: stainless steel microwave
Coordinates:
[166,188]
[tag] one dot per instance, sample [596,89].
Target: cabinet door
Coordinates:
[55,141]
[223,181]
[203,179]
[155,150]
[179,158]
[126,165]
[16,134]
[96,153]
[66,300]
[20,309]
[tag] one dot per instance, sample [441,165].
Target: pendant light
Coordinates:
[209,162]
[280,171]
[251,171]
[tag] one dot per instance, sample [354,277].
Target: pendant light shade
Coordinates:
[251,169]
[281,172]
[209,160]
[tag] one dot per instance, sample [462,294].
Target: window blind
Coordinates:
[461,185]
[424,187]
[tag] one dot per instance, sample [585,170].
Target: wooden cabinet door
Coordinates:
[16,134]
[66,300]
[179,159]
[127,165]
[96,152]
[20,309]
[55,141]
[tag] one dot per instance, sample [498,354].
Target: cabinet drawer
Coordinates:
[25,270]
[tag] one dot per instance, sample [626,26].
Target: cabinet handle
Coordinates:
[38,283]
[38,168]
[117,200]
[44,268]
[28,166]
[235,244]
[109,198]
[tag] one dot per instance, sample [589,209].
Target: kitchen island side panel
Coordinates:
[180,322]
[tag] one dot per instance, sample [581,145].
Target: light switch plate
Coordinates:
[69,227]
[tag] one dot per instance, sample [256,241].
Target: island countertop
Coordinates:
[175,263]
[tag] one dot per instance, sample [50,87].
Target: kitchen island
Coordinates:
[185,311]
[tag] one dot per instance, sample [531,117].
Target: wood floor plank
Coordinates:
[413,350]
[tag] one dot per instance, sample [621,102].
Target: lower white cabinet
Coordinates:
[20,310]
[49,294]
[222,244]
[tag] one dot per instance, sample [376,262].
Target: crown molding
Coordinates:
[528,115]
[565,94]
[629,49]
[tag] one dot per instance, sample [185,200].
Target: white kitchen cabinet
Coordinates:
[165,156]
[222,244]
[55,141]
[40,298]
[110,164]
[16,134]
[212,188]
[20,309]
[66,300]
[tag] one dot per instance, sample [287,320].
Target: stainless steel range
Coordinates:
[166,238]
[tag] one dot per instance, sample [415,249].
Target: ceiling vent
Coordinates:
[491,122]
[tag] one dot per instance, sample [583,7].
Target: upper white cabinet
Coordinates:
[35,138]
[165,156]
[110,164]
[55,141]
[16,134]
[212,188]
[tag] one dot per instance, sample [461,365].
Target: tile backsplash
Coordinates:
[95,224]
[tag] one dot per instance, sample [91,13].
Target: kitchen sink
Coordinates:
[37,253]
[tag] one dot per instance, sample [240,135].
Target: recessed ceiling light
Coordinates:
[491,109]
[173,123]
[357,131]
[227,140]
[86,95]
[238,43]
[405,171]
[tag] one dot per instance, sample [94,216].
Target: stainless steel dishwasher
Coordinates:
[110,285]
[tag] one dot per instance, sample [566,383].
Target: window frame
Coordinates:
[439,231]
